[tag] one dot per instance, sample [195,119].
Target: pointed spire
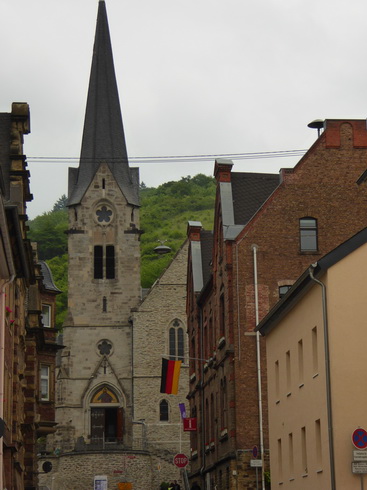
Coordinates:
[103,135]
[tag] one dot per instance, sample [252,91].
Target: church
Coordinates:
[115,429]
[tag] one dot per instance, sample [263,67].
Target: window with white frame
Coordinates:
[45,382]
[46,315]
[176,341]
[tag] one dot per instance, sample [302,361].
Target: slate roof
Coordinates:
[103,134]
[48,281]
[206,240]
[250,191]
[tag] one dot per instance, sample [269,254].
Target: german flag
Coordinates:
[170,376]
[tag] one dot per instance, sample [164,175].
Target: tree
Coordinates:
[60,203]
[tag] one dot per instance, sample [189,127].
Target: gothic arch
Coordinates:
[105,407]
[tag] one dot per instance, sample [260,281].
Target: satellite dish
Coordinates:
[162,249]
[47,466]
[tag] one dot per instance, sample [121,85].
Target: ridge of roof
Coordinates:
[103,138]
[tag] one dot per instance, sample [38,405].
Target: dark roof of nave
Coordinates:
[249,192]
[103,135]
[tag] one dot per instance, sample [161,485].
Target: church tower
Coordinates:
[94,399]
[115,429]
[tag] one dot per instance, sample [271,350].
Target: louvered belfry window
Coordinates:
[104,262]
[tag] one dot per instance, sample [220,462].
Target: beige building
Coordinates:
[315,340]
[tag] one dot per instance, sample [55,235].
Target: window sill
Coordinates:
[319,471]
[305,475]
[277,402]
[315,375]
[289,393]
[301,385]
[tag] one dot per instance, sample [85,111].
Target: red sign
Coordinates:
[189,424]
[359,438]
[181,460]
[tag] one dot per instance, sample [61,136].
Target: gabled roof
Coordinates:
[103,135]
[304,283]
[250,191]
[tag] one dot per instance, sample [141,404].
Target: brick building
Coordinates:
[267,229]
[27,344]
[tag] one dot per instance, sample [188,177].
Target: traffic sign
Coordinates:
[255,452]
[359,438]
[181,460]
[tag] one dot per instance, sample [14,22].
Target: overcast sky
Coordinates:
[195,77]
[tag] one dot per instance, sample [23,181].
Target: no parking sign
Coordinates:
[359,438]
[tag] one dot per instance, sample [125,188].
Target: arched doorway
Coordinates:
[106,417]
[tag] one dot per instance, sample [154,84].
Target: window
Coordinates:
[163,411]
[45,383]
[46,315]
[104,262]
[283,290]
[300,362]
[176,341]
[288,371]
[315,353]
[304,450]
[308,234]
[221,316]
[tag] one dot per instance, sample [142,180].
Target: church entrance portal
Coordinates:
[106,420]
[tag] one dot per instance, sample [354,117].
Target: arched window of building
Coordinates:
[176,341]
[164,411]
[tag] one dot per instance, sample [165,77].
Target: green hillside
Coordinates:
[164,214]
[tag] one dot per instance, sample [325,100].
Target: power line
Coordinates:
[181,158]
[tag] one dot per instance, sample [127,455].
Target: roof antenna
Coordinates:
[316,124]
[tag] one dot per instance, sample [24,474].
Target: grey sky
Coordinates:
[194,76]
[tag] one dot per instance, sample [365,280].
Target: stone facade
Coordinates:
[163,310]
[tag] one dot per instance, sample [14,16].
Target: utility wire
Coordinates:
[181,158]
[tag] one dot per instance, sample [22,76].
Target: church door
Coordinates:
[106,424]
[97,425]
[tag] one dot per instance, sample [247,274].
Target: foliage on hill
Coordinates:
[164,214]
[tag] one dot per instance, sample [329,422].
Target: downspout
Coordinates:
[327,375]
[258,362]
[202,397]
[2,368]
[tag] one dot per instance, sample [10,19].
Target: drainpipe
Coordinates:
[327,375]
[2,368]
[258,361]
[201,355]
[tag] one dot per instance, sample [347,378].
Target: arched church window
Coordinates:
[164,411]
[176,341]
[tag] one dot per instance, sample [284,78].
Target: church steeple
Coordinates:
[103,135]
